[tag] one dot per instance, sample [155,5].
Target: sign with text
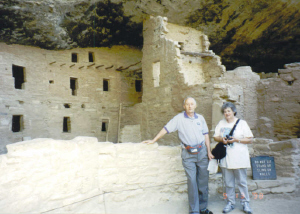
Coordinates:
[263,168]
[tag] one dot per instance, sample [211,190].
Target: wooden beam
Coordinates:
[121,68]
[109,67]
[197,54]
[91,65]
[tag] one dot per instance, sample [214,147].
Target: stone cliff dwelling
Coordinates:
[123,94]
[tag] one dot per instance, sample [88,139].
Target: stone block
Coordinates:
[289,145]
[261,141]
[296,74]
[287,77]
[262,184]
[149,200]
[284,71]
[284,189]
[261,147]
[295,65]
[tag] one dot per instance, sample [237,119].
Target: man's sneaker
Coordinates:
[246,208]
[229,207]
[206,211]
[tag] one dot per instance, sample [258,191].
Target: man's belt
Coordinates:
[194,149]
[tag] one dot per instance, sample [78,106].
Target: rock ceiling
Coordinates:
[264,34]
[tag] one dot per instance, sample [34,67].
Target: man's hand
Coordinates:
[157,137]
[210,156]
[149,141]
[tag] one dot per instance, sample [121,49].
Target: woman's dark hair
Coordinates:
[228,105]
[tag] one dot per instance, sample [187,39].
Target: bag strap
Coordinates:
[232,130]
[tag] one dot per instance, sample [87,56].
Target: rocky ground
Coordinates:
[264,206]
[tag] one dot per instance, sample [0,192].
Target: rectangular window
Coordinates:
[18,74]
[156,73]
[91,57]
[104,127]
[67,124]
[105,84]
[74,57]
[17,123]
[74,85]
[138,85]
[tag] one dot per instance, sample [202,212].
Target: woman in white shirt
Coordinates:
[234,165]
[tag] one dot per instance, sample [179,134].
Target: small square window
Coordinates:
[138,85]
[67,105]
[74,57]
[91,57]
[19,75]
[105,84]
[17,123]
[104,127]
[74,85]
[67,124]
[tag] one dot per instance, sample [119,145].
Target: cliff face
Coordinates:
[261,33]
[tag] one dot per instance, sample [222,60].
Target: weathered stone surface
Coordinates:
[131,133]
[84,175]
[291,145]
[278,100]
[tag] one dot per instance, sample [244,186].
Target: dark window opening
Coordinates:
[51,81]
[67,124]
[74,57]
[138,85]
[104,126]
[74,86]
[17,123]
[181,45]
[18,74]
[105,85]
[67,105]
[91,57]
[290,82]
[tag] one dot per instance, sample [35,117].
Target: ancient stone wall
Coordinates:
[237,86]
[279,104]
[176,64]
[63,94]
[86,176]
[287,162]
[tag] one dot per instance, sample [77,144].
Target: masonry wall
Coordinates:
[46,98]
[177,63]
[86,176]
[279,104]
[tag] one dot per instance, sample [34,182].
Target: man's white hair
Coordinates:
[188,98]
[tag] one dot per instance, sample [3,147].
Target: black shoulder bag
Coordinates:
[220,149]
